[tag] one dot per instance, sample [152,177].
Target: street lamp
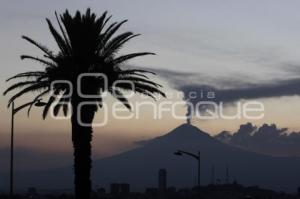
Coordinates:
[197,157]
[14,110]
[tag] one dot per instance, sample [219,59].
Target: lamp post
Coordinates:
[13,112]
[196,156]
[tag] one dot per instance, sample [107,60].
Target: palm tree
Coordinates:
[86,44]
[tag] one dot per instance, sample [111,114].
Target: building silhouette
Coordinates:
[227,175]
[101,190]
[119,189]
[213,174]
[32,191]
[162,180]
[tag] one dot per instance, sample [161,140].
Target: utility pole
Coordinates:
[213,174]
[199,169]
[14,110]
[196,156]
[227,175]
[11,185]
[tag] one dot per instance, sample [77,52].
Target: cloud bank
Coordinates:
[267,139]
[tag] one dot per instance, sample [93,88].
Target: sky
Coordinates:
[224,44]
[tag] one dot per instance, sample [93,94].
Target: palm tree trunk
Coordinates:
[82,137]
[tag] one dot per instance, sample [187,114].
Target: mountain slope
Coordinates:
[139,167]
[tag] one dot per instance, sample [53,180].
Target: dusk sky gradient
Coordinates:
[220,43]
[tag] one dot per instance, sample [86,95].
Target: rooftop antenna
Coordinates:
[227,175]
[213,174]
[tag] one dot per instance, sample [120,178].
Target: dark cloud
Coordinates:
[267,139]
[231,89]
[179,79]
[252,91]
[291,69]
[228,90]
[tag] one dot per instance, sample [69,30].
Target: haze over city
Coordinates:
[242,51]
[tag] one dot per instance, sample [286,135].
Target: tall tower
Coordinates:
[162,180]
[213,174]
[227,175]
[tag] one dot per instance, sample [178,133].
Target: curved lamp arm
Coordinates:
[180,152]
[37,103]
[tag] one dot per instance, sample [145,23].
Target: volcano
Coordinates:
[139,167]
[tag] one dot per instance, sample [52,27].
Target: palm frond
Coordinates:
[150,89]
[65,109]
[146,93]
[62,30]
[101,21]
[119,95]
[86,44]
[28,75]
[124,58]
[138,71]
[106,21]
[48,105]
[62,103]
[139,80]
[57,108]
[141,92]
[47,63]
[62,44]
[34,87]
[35,100]
[135,74]
[142,89]
[117,42]
[18,85]
[40,46]
[111,31]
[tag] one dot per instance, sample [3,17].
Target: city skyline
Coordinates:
[242,52]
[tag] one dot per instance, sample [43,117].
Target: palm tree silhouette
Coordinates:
[86,44]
